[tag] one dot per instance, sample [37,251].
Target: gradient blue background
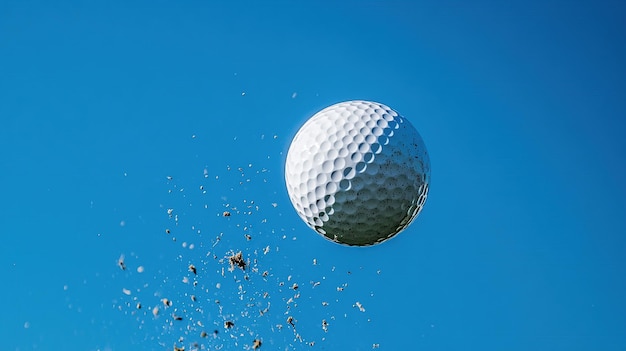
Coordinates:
[521,103]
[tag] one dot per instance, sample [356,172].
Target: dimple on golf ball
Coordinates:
[357,172]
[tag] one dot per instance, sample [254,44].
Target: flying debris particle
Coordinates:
[315,261]
[228,324]
[138,305]
[293,96]
[265,310]
[324,325]
[140,269]
[256,344]
[170,211]
[237,260]
[226,214]
[126,291]
[248,237]
[176,348]
[120,263]
[166,302]
[294,286]
[193,298]
[290,321]
[375,346]
[192,269]
[203,334]
[360,306]
[169,177]
[155,311]
[266,250]
[324,303]
[167,231]
[176,317]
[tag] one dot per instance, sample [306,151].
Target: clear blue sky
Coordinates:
[520,245]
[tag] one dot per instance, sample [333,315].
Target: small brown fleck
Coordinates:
[228,324]
[166,302]
[290,321]
[226,214]
[203,334]
[192,269]
[256,344]
[237,260]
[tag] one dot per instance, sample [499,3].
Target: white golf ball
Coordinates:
[357,173]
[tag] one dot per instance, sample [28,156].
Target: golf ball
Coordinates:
[357,172]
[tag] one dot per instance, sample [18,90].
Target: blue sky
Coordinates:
[520,245]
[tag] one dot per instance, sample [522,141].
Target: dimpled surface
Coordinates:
[357,173]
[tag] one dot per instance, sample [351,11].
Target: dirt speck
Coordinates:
[237,260]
